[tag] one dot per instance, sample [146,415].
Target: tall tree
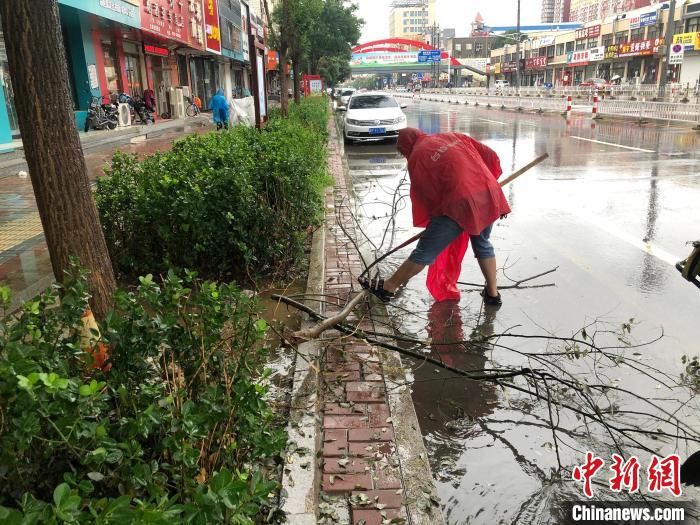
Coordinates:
[335,31]
[57,167]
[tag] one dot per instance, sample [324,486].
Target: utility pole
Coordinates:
[517,52]
[668,39]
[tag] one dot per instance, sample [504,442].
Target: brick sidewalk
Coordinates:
[360,461]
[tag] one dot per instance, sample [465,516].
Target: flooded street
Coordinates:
[612,210]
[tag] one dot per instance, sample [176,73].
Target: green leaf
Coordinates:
[60,494]
[95,476]
[85,390]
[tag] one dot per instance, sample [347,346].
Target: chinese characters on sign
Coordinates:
[690,41]
[587,32]
[662,474]
[647,19]
[176,19]
[578,58]
[536,62]
[611,51]
[640,47]
[211,20]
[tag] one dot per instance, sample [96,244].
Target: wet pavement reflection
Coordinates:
[25,266]
[612,209]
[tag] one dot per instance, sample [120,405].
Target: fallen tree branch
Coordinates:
[518,284]
[330,322]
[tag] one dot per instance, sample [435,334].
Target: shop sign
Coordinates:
[611,51]
[123,11]
[211,24]
[542,42]
[596,54]
[497,68]
[245,46]
[587,32]
[647,19]
[509,67]
[640,47]
[273,60]
[578,58]
[690,41]
[179,20]
[150,49]
[536,63]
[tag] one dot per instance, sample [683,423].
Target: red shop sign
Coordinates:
[211,24]
[588,32]
[640,47]
[150,49]
[179,20]
[536,63]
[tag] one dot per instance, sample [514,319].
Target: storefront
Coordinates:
[688,71]
[535,71]
[9,125]
[641,60]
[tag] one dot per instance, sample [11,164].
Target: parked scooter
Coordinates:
[100,116]
[138,108]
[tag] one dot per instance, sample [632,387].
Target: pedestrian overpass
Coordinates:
[400,55]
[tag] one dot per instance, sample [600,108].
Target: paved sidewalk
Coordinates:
[24,261]
[363,474]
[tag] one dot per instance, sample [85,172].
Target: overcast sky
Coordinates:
[451,13]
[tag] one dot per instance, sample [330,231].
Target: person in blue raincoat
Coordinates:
[219,107]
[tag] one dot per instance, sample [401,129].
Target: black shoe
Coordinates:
[489,300]
[376,288]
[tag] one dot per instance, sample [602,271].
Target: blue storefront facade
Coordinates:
[129,46]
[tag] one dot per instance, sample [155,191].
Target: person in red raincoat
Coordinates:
[455,196]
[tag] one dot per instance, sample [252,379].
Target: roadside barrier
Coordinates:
[594,112]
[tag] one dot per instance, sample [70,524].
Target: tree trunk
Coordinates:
[297,78]
[52,148]
[284,81]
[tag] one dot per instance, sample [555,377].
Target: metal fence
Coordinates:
[672,93]
[638,109]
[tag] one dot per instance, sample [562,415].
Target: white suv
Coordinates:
[372,116]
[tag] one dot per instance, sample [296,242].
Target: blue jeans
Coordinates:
[441,231]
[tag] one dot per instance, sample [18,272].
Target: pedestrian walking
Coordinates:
[219,107]
[455,196]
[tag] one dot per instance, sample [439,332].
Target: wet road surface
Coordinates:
[25,266]
[612,209]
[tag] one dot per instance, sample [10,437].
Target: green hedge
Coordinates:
[177,431]
[224,203]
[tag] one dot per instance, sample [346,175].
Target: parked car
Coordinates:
[344,96]
[599,84]
[373,116]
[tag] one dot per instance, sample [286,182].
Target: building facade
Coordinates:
[555,11]
[589,10]
[626,49]
[412,19]
[130,46]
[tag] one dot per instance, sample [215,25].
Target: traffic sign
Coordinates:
[420,76]
[676,54]
[430,55]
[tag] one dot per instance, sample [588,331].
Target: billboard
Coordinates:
[384,59]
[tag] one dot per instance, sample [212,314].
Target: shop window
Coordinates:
[133,74]
[569,47]
[637,34]
[651,32]
[608,40]
[182,70]
[109,57]
[621,37]
[550,51]
[478,47]
[560,49]
[527,54]
[592,42]
[692,25]
[580,45]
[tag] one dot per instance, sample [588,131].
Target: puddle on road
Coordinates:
[491,448]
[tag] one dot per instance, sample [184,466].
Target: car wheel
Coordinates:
[347,140]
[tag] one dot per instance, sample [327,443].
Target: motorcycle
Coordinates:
[138,108]
[100,116]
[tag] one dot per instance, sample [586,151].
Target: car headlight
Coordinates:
[400,119]
[353,122]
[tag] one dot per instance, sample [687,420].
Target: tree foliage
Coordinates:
[508,37]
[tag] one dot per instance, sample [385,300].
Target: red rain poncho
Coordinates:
[454,175]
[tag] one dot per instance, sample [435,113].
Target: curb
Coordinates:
[300,480]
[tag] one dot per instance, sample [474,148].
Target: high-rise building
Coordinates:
[411,19]
[555,11]
[589,10]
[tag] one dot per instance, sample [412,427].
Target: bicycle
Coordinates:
[193,109]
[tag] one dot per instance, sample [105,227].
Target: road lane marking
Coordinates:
[494,121]
[646,247]
[613,144]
